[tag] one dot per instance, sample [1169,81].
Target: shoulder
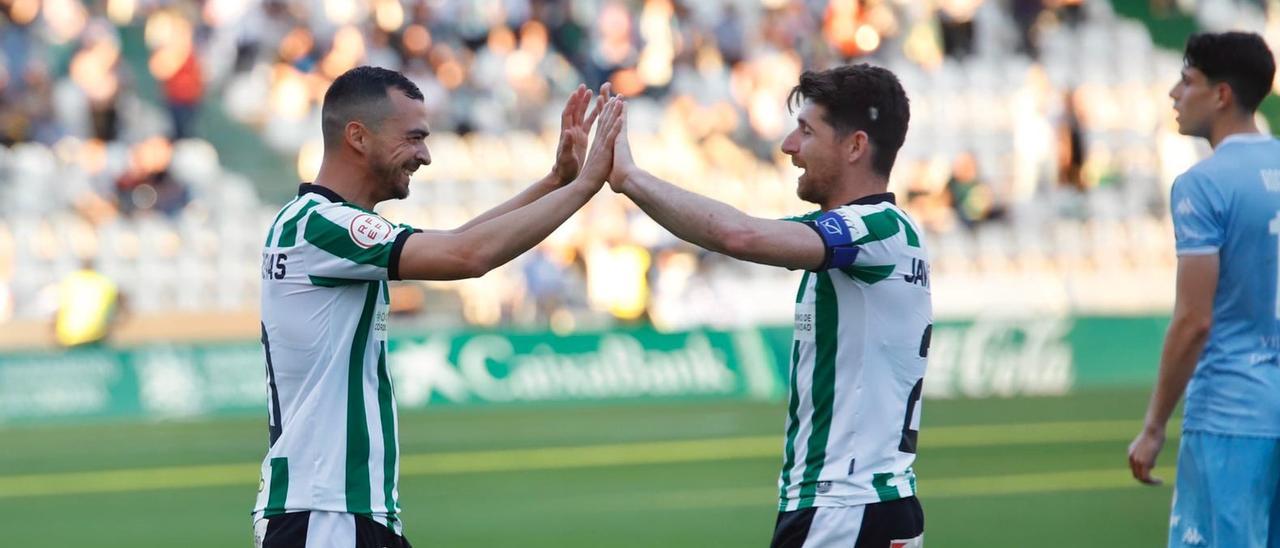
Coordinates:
[1202,182]
[360,226]
[346,215]
[879,222]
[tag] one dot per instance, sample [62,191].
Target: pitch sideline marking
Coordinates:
[552,458]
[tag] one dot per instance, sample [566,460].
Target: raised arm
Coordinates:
[475,250]
[575,125]
[1188,331]
[712,224]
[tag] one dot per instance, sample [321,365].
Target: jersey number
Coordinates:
[1275,229]
[273,267]
[909,435]
[274,426]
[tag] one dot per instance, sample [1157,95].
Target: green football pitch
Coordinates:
[1026,472]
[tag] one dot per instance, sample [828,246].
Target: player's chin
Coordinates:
[803,190]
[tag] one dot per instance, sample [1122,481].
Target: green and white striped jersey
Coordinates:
[332,416]
[857,364]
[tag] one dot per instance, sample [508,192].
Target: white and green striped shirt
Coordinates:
[857,365]
[332,416]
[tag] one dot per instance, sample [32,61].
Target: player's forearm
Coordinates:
[537,190]
[690,216]
[505,237]
[1183,345]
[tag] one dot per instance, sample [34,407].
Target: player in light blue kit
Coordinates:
[1225,333]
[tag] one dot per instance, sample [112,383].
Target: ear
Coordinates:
[357,136]
[1223,95]
[856,145]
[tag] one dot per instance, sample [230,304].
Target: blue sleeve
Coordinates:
[1197,210]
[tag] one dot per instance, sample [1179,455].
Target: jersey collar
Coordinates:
[1245,138]
[321,190]
[875,199]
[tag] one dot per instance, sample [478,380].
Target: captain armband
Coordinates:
[838,240]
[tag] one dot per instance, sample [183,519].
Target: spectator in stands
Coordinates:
[955,17]
[1026,13]
[543,282]
[730,35]
[147,184]
[87,305]
[98,74]
[176,65]
[1069,11]
[970,197]
[1071,146]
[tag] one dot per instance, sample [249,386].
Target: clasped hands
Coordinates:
[608,156]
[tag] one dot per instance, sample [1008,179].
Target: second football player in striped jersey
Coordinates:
[863,312]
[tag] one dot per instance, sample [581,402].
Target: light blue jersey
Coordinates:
[1229,204]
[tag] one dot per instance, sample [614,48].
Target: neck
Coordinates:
[1229,126]
[855,188]
[349,181]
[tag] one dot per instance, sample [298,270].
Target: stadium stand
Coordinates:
[1038,160]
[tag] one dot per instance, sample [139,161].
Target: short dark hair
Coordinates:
[361,94]
[1241,59]
[860,98]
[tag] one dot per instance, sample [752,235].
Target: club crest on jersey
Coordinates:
[369,230]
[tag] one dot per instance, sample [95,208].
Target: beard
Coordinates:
[811,186]
[393,178]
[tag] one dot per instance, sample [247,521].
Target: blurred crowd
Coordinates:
[1024,120]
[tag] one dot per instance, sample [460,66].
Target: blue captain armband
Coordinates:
[837,238]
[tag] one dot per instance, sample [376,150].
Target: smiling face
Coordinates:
[818,149]
[399,145]
[1196,100]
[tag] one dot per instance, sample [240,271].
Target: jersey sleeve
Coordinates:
[803,218]
[352,244]
[866,246]
[1197,211]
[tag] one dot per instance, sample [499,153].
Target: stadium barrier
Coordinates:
[989,357]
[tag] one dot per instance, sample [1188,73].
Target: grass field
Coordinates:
[1032,472]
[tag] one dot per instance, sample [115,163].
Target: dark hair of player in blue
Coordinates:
[860,98]
[1241,59]
[360,94]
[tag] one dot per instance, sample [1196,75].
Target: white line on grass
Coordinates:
[619,454]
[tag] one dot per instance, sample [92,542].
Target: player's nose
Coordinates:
[790,145]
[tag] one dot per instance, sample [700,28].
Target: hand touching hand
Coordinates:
[575,124]
[600,160]
[623,163]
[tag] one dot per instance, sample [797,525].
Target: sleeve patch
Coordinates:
[368,230]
